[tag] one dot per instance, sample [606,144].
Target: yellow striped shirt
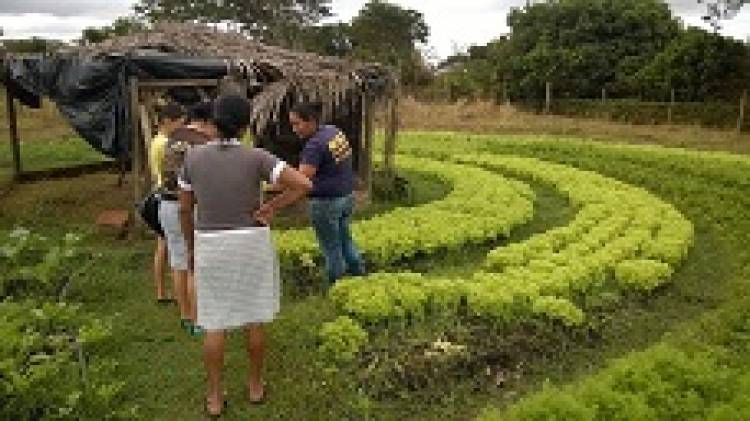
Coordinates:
[156,158]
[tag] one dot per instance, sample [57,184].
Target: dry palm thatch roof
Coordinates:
[282,72]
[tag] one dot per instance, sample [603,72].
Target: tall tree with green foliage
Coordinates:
[329,39]
[32,45]
[280,22]
[389,34]
[582,46]
[121,26]
[633,48]
[718,10]
[480,72]
[699,65]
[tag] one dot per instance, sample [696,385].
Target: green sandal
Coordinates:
[196,331]
[186,325]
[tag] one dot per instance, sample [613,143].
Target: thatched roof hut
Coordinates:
[107,90]
[277,72]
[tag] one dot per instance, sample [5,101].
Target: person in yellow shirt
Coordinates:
[171,117]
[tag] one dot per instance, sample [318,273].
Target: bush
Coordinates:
[341,339]
[708,114]
[32,265]
[50,353]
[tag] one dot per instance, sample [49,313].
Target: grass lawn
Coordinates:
[40,155]
[162,365]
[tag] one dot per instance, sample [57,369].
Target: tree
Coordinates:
[275,21]
[121,26]
[583,45]
[480,72]
[629,47]
[718,10]
[329,40]
[700,65]
[31,45]
[386,33]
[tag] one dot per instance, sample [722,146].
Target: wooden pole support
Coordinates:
[147,138]
[548,98]
[361,157]
[671,106]
[15,142]
[741,118]
[367,132]
[136,149]
[391,131]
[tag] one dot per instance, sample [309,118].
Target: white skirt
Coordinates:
[169,217]
[237,278]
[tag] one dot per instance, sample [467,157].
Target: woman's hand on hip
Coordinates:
[264,215]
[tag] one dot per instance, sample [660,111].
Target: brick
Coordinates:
[115,219]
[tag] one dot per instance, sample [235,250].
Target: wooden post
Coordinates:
[15,142]
[367,131]
[391,131]
[506,95]
[605,113]
[136,149]
[122,166]
[671,105]
[741,118]
[147,139]
[548,98]
[361,154]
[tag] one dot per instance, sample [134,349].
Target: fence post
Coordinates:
[671,105]
[548,98]
[367,131]
[741,118]
[391,130]
[506,96]
[136,148]
[605,113]
[15,143]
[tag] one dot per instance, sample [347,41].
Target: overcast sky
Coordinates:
[454,24]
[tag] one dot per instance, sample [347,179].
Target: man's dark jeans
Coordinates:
[331,219]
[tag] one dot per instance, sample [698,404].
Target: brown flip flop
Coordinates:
[262,399]
[218,415]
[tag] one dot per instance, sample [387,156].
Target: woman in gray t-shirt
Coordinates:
[229,242]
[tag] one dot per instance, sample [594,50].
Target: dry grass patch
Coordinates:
[484,117]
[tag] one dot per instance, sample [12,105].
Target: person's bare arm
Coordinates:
[296,185]
[308,170]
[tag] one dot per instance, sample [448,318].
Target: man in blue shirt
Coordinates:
[327,160]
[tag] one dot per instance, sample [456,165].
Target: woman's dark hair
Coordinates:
[171,111]
[308,111]
[231,114]
[200,111]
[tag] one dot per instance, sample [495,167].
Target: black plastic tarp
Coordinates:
[93,94]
